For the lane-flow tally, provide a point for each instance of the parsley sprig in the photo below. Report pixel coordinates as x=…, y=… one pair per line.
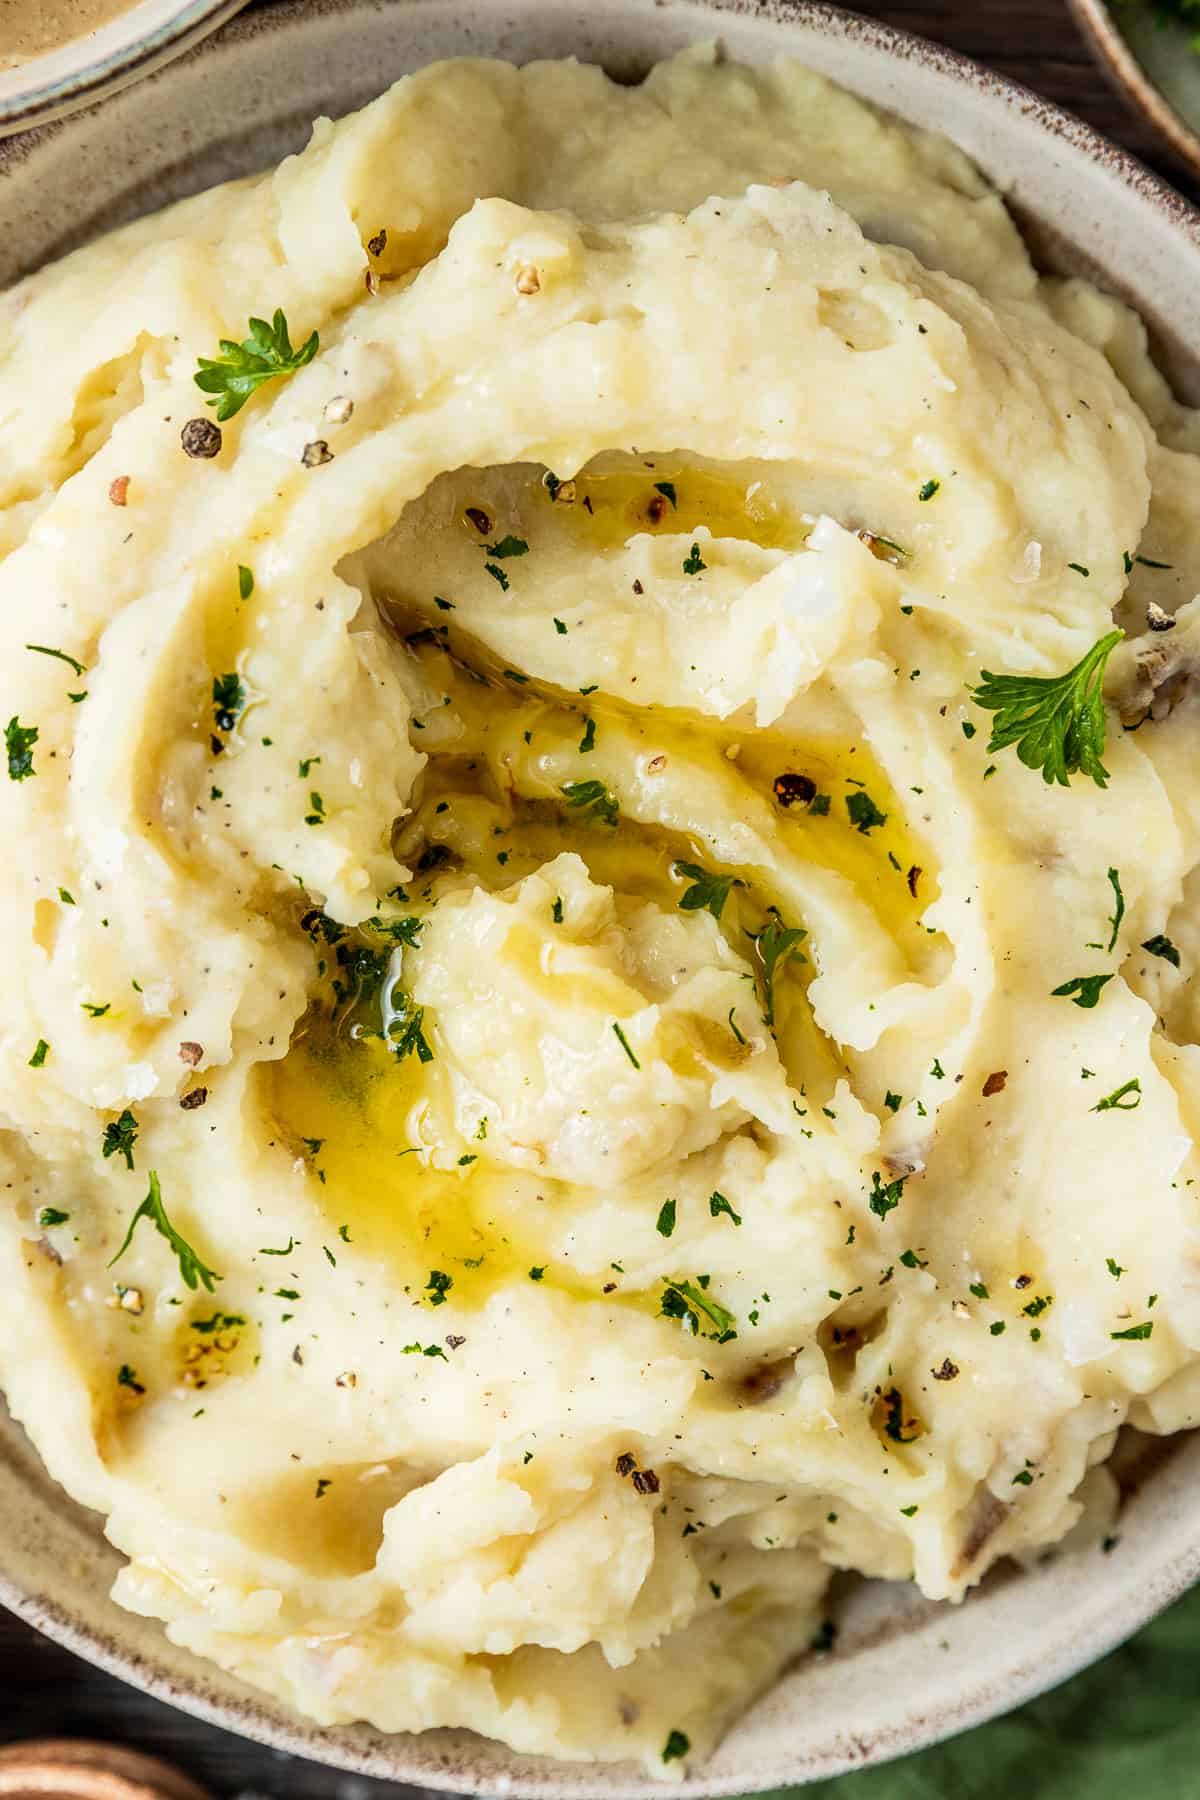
x=193, y=1270
x=242, y=368
x=775, y=943
x=1056, y=722
x=708, y=892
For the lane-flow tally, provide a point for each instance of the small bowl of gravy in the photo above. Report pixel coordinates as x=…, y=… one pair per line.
x=56, y=55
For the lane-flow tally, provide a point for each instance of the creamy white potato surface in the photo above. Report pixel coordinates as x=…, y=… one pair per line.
x=559, y=1085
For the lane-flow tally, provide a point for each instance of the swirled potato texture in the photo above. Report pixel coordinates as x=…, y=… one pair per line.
x=527, y=972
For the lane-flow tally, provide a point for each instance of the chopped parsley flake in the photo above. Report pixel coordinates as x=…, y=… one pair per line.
x=677, y=1745
x=624, y=1043
x=228, y=698
x=19, y=741
x=245, y=582
x=41, y=1051
x=693, y=563
x=46, y=650
x=718, y=1204
x=1082, y=990
x=560, y=628
x=96, y=1012
x=438, y=1286
x=497, y=574
x=120, y=1137
x=864, y=814
x=665, y=1223
x=1119, y=1100
x=1118, y=912
x=537, y=1274
x=591, y=799
x=885, y=1196
x=1162, y=946
x=556, y=911
x=928, y=489
x=1115, y=1269
x=316, y=813
x=50, y=1215
x=1135, y=1332
x=588, y=741
x=425, y=1350
x=667, y=489
x=508, y=546
x=686, y=1300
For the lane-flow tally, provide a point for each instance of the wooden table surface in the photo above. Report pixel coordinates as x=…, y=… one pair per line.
x=47, y=1692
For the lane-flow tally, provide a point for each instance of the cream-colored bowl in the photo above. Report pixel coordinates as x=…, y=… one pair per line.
x=904, y=1673
x=140, y=35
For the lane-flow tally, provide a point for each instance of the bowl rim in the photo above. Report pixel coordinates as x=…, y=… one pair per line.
x=134, y=53
x=259, y=1716
x=1128, y=77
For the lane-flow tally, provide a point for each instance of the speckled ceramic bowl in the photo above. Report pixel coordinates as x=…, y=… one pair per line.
x=141, y=37
x=1154, y=62
x=904, y=1672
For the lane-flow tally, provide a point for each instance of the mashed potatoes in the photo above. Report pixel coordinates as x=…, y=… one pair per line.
x=556, y=1089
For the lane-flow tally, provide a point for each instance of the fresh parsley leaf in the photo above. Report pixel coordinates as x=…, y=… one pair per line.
x=508, y=546
x=864, y=814
x=1118, y=1100
x=1162, y=946
x=693, y=563
x=1056, y=722
x=592, y=799
x=120, y=1137
x=1082, y=990
x=707, y=893
x=242, y=368
x=718, y=1204
x=45, y=650
x=41, y=1051
x=665, y=1223
x=19, y=741
x=667, y=490
x=191, y=1268
x=245, y=582
x=1135, y=1332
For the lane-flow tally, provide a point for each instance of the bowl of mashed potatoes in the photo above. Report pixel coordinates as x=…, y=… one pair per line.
x=599, y=1032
